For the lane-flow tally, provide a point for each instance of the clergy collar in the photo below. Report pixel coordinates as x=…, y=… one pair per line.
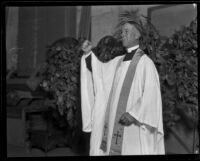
x=131, y=53
x=129, y=50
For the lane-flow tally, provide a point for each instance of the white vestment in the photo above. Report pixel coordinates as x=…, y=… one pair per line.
x=94, y=95
x=144, y=104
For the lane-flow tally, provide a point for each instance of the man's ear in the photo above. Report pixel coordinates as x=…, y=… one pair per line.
x=137, y=35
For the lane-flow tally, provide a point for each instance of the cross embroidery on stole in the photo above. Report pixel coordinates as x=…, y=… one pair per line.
x=117, y=135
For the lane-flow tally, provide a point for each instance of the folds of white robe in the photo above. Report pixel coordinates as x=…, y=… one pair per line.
x=87, y=96
x=144, y=104
x=103, y=74
x=95, y=90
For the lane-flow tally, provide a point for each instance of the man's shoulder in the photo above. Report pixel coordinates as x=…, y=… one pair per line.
x=145, y=56
x=146, y=60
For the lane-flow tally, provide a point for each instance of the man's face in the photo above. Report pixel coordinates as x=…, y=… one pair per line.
x=130, y=34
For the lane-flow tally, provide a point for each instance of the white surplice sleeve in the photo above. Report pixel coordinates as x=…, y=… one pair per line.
x=87, y=95
x=148, y=108
x=92, y=91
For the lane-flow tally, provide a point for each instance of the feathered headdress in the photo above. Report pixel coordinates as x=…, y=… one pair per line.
x=132, y=17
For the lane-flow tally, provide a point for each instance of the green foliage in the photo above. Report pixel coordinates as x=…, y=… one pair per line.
x=176, y=60
x=61, y=79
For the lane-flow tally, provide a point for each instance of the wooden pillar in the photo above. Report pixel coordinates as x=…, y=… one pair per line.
x=70, y=21
x=38, y=28
x=85, y=23
x=26, y=40
x=11, y=37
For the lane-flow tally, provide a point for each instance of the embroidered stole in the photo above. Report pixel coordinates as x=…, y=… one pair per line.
x=118, y=130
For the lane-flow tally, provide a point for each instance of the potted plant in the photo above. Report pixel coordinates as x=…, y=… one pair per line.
x=62, y=86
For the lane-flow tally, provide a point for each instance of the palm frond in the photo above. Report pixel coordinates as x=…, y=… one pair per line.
x=129, y=16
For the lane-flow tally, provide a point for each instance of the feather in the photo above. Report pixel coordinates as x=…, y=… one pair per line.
x=131, y=16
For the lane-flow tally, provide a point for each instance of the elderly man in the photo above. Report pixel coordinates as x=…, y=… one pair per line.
x=132, y=118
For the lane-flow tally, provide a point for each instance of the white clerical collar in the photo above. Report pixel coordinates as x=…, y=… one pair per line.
x=132, y=48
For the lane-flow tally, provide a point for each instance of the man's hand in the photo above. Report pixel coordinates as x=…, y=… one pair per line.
x=126, y=119
x=87, y=46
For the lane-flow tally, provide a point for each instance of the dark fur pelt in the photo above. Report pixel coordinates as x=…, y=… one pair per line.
x=108, y=48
